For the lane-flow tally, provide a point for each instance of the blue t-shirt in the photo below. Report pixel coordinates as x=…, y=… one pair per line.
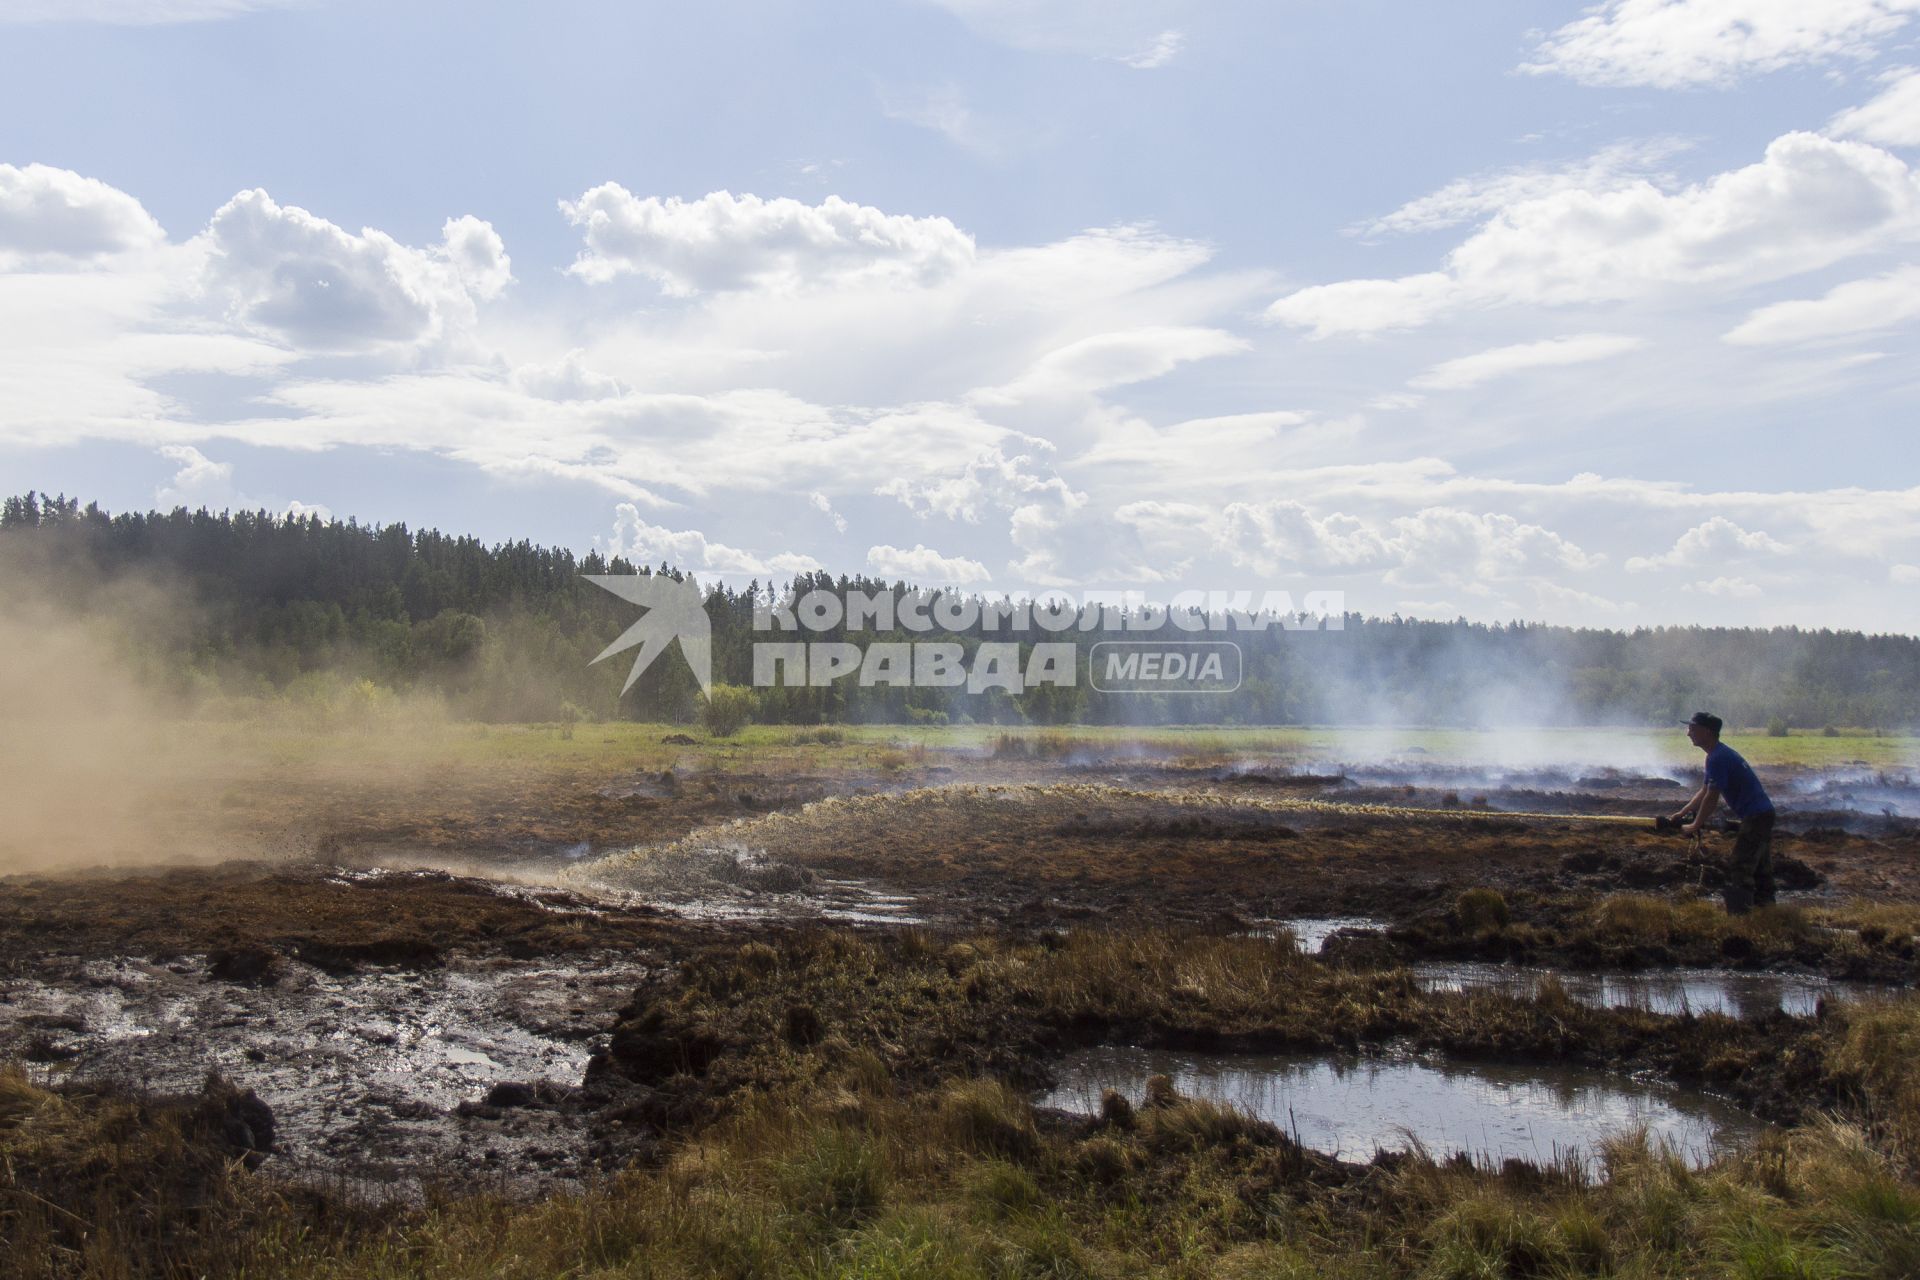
x=1730, y=775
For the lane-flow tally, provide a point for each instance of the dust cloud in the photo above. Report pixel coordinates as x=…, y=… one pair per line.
x=115, y=752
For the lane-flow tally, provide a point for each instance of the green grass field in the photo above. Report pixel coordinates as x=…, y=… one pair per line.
x=621, y=745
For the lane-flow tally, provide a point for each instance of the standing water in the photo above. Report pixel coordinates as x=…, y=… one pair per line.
x=1351, y=1107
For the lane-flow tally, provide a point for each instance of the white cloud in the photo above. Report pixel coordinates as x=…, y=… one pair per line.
x=723, y=241
x=1809, y=203
x=1732, y=588
x=1444, y=546
x=309, y=510
x=1500, y=362
x=199, y=481
x=1165, y=47
x=925, y=566
x=1367, y=306
x=1113, y=360
x=1135, y=32
x=1714, y=542
x=1892, y=119
x=1671, y=44
x=1197, y=443
x=282, y=271
x=1858, y=306
x=567, y=379
x=55, y=216
x=1907, y=575
x=133, y=13
x=824, y=505
x=1453, y=547
x=647, y=544
x=991, y=480
x=749, y=415
x=1281, y=537
x=1467, y=200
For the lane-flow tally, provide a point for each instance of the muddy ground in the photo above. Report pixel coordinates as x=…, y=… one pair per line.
x=416, y=972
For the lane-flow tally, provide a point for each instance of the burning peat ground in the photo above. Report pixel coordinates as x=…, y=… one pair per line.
x=442, y=989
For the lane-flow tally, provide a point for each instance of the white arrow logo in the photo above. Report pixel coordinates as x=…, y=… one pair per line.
x=674, y=612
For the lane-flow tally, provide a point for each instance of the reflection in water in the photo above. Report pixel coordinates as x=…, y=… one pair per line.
x=1311, y=932
x=1350, y=1106
x=1672, y=992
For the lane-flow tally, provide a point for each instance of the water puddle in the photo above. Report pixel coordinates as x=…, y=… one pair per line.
x=1350, y=1106
x=1673, y=992
x=1312, y=932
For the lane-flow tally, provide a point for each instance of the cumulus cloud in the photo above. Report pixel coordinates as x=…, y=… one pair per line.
x=1858, y=306
x=1467, y=200
x=991, y=480
x=1450, y=546
x=1673, y=44
x=1282, y=537
x=1809, y=202
x=1484, y=366
x=567, y=378
x=199, y=481
x=644, y=543
x=1892, y=119
x=1714, y=542
x=727, y=242
x=1446, y=546
x=282, y=271
x=54, y=216
x=925, y=566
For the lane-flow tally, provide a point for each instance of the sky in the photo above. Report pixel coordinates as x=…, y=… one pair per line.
x=1595, y=315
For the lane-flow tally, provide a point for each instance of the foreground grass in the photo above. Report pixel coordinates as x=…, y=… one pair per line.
x=861, y=1180
x=847, y=1106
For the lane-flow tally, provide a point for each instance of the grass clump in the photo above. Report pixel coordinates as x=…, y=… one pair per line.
x=1481, y=909
x=1489, y=1234
x=1877, y=1060
x=837, y=1175
x=986, y=1117
x=1036, y=746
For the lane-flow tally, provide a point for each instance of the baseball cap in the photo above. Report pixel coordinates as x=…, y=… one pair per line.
x=1706, y=720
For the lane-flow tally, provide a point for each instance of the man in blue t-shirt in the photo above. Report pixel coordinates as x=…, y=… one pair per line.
x=1731, y=778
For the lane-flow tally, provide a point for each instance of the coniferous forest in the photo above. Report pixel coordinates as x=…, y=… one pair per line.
x=245, y=607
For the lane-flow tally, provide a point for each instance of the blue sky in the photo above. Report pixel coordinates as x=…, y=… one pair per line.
x=1597, y=315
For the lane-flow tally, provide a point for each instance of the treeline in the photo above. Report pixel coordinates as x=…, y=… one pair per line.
x=271, y=607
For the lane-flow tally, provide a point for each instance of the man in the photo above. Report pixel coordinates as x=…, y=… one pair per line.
x=1729, y=777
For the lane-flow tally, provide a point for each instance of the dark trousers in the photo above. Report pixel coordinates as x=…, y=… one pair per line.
x=1750, y=871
